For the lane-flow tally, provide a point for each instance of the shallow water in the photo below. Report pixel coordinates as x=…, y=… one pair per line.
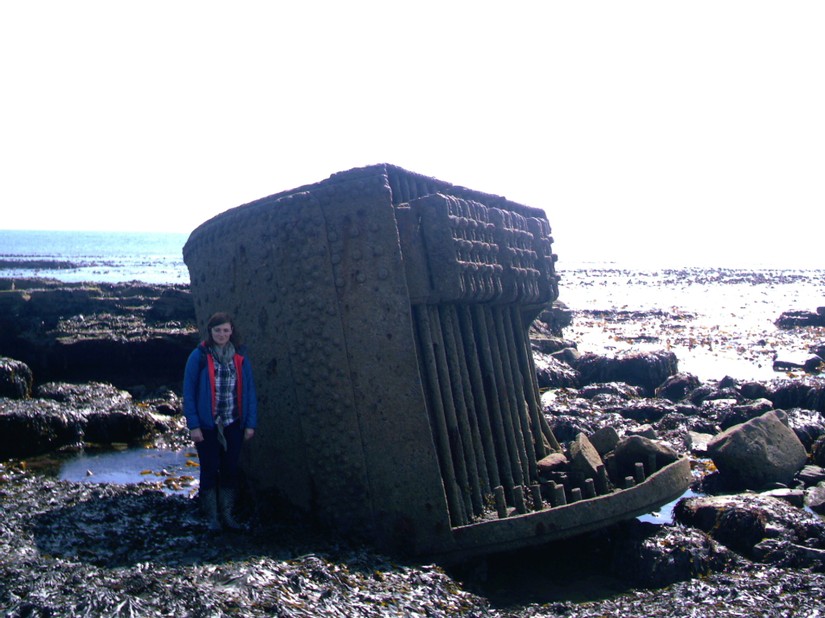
x=171, y=471
x=718, y=322
x=664, y=514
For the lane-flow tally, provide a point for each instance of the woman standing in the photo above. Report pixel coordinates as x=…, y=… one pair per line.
x=221, y=412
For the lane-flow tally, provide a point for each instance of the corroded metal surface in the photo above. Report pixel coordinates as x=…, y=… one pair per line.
x=387, y=315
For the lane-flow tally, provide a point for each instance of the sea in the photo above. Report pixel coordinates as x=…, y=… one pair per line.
x=105, y=257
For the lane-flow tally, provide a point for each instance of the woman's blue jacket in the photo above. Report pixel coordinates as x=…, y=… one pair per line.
x=199, y=390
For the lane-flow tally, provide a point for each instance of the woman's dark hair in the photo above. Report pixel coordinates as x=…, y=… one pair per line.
x=221, y=317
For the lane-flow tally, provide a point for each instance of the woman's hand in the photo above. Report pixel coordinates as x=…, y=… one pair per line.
x=248, y=433
x=196, y=435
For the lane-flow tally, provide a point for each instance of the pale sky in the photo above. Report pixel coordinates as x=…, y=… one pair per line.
x=646, y=130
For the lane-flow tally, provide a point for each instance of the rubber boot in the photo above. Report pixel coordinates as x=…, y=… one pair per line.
x=226, y=500
x=209, y=504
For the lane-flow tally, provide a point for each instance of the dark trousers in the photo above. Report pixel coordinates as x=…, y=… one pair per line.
x=216, y=464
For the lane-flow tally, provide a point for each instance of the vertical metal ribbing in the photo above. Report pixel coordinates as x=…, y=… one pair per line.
x=515, y=407
x=426, y=353
x=495, y=378
x=465, y=408
x=482, y=414
x=458, y=449
x=540, y=425
x=523, y=386
x=489, y=385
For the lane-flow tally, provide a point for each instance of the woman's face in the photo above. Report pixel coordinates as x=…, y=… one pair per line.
x=221, y=334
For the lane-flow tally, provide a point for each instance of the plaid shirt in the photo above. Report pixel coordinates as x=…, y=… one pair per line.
x=225, y=381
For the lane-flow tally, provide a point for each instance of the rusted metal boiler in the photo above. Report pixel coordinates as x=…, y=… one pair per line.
x=386, y=314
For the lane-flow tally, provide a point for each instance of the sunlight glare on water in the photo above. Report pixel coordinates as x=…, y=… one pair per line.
x=175, y=470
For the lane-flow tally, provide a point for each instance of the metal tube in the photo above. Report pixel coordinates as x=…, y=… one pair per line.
x=494, y=380
x=528, y=366
x=479, y=397
x=437, y=418
x=521, y=383
x=502, y=358
x=493, y=399
x=469, y=402
x=457, y=383
x=457, y=448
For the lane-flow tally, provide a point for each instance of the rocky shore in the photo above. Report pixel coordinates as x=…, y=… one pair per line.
x=99, y=364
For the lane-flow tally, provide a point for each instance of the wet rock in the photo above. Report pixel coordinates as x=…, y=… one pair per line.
x=621, y=463
x=550, y=464
x=69, y=414
x=677, y=438
x=15, y=379
x=811, y=475
x=806, y=393
x=785, y=364
x=558, y=317
x=757, y=453
x=815, y=498
x=795, y=497
x=678, y=386
x=808, y=425
x=754, y=390
x=783, y=553
x=794, y=319
x=715, y=391
x=741, y=413
x=605, y=439
x=818, y=451
x=34, y=426
x=585, y=460
x=127, y=333
x=645, y=369
x=569, y=355
x=85, y=396
x=645, y=431
x=553, y=373
x=607, y=392
x=813, y=364
x=131, y=425
x=699, y=442
x=742, y=521
x=547, y=345
x=644, y=410
x=655, y=556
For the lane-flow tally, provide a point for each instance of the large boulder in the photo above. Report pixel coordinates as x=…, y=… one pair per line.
x=758, y=453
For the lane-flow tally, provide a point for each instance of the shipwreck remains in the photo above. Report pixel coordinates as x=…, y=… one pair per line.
x=387, y=317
